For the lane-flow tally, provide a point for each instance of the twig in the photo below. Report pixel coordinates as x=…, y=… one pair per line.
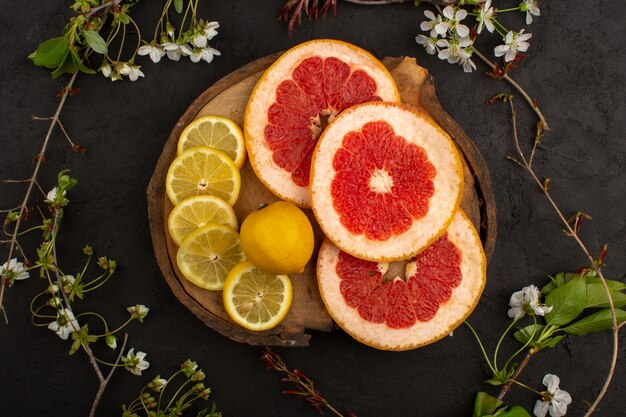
x=520, y=368
x=573, y=233
x=102, y=6
x=104, y=381
x=518, y=88
x=33, y=179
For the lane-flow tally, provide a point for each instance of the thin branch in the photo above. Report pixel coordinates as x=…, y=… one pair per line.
x=72, y=144
x=572, y=232
x=33, y=179
x=104, y=381
x=518, y=88
x=102, y=6
x=518, y=371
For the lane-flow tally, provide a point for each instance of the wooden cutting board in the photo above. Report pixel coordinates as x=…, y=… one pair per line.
x=228, y=97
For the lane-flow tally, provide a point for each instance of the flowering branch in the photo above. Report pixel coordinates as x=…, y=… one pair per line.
x=23, y=208
x=526, y=163
x=305, y=387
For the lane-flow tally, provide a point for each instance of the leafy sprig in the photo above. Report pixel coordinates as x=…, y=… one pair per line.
x=152, y=401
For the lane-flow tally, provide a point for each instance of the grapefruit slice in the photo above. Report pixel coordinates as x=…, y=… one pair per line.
x=293, y=101
x=385, y=181
x=428, y=298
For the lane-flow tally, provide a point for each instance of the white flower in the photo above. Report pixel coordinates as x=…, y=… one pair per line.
x=199, y=40
x=436, y=25
x=210, y=29
x=55, y=302
x=138, y=312
x=453, y=51
x=454, y=20
x=111, y=341
x=204, y=54
x=53, y=195
x=106, y=70
x=531, y=8
x=514, y=43
x=429, y=43
x=158, y=383
x=156, y=52
x=132, y=71
x=466, y=62
x=135, y=363
x=14, y=270
x=554, y=400
x=174, y=50
x=527, y=297
x=484, y=17
x=64, y=324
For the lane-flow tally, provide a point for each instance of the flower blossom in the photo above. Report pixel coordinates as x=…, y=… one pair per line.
x=429, y=43
x=138, y=312
x=525, y=301
x=175, y=50
x=202, y=54
x=132, y=71
x=513, y=43
x=13, y=270
x=65, y=324
x=554, y=400
x=135, y=363
x=436, y=25
x=484, y=18
x=531, y=8
x=454, y=20
x=454, y=50
x=210, y=29
x=53, y=195
x=155, y=52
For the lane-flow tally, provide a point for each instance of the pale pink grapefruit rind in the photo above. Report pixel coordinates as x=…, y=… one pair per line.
x=450, y=315
x=415, y=127
x=263, y=96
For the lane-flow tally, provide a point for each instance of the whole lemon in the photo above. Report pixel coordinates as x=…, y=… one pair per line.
x=278, y=238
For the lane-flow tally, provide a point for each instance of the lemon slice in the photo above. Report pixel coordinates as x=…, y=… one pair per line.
x=215, y=132
x=206, y=256
x=203, y=171
x=255, y=299
x=195, y=212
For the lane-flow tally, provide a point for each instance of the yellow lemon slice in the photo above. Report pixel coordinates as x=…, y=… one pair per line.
x=207, y=256
x=203, y=171
x=255, y=299
x=215, y=132
x=195, y=212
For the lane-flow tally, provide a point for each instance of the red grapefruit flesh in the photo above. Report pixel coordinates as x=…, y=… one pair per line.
x=385, y=181
x=438, y=290
x=288, y=109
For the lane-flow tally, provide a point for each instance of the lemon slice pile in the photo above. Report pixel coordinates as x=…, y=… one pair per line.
x=195, y=212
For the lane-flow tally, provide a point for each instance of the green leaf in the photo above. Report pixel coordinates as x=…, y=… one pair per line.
x=67, y=67
x=567, y=302
x=553, y=341
x=596, y=322
x=178, y=5
x=515, y=411
x=51, y=53
x=524, y=334
x=596, y=294
x=95, y=41
x=78, y=62
x=485, y=404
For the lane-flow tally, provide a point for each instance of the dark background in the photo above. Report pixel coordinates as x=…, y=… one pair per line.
x=576, y=70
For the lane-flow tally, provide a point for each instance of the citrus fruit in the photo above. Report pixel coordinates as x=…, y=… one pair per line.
x=203, y=171
x=255, y=299
x=400, y=307
x=195, y=212
x=278, y=238
x=206, y=256
x=294, y=100
x=215, y=132
x=385, y=181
